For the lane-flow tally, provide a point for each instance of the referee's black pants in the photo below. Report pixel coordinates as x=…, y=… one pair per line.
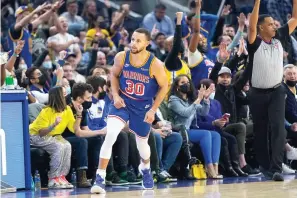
x=268, y=111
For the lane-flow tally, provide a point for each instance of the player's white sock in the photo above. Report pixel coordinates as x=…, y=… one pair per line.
x=144, y=166
x=102, y=173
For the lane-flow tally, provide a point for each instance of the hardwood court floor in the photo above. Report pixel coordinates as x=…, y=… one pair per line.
x=227, y=188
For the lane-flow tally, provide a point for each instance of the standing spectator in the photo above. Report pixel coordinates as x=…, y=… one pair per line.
x=23, y=27
x=159, y=20
x=267, y=96
x=65, y=41
x=279, y=10
x=76, y=23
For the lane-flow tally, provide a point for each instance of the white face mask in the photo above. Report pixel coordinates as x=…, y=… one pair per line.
x=212, y=95
x=23, y=66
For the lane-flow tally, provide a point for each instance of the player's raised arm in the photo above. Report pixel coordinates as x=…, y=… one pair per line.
x=196, y=28
x=252, y=31
x=292, y=23
x=114, y=79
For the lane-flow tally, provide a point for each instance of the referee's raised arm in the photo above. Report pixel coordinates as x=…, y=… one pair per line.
x=252, y=31
x=292, y=23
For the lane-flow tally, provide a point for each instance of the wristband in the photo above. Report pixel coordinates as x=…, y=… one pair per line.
x=152, y=110
x=15, y=55
x=51, y=127
x=197, y=16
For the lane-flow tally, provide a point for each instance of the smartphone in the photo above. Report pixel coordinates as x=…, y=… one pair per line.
x=226, y=116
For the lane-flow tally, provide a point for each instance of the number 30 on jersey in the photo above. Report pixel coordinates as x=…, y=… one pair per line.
x=134, y=88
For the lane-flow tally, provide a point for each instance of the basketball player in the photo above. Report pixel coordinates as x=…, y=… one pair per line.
x=136, y=78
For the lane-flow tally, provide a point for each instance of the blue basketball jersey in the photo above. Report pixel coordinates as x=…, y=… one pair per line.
x=137, y=82
x=201, y=70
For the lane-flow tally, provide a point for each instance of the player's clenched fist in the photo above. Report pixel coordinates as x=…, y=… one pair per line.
x=149, y=117
x=119, y=102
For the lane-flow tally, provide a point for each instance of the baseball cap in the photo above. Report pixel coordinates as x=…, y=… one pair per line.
x=22, y=9
x=225, y=70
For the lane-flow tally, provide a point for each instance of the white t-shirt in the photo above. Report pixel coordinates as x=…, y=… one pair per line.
x=62, y=39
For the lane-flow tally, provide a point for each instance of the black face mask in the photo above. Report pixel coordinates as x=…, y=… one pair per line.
x=102, y=95
x=102, y=25
x=185, y=88
x=42, y=80
x=202, y=49
x=68, y=99
x=87, y=104
x=291, y=83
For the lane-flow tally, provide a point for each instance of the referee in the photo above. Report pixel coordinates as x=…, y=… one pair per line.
x=267, y=96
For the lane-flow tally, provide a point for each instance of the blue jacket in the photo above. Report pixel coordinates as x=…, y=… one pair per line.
x=215, y=112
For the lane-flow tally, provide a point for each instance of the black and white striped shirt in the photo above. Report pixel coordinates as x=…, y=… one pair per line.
x=265, y=66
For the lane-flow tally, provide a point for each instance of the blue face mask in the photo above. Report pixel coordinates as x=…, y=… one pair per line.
x=47, y=64
x=68, y=90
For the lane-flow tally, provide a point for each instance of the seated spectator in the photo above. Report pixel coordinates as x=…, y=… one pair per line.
x=290, y=80
x=159, y=19
x=227, y=94
x=214, y=121
x=38, y=83
x=184, y=105
x=90, y=143
x=168, y=144
x=96, y=111
x=100, y=71
x=77, y=77
x=45, y=133
x=68, y=71
x=101, y=59
x=76, y=23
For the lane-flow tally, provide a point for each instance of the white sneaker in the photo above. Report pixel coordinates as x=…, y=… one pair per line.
x=64, y=181
x=292, y=155
x=170, y=178
x=287, y=169
x=55, y=184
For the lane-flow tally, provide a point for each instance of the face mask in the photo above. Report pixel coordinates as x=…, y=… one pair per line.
x=68, y=99
x=212, y=95
x=102, y=25
x=42, y=80
x=68, y=91
x=23, y=66
x=104, y=77
x=102, y=95
x=87, y=104
x=47, y=64
x=185, y=88
x=291, y=83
